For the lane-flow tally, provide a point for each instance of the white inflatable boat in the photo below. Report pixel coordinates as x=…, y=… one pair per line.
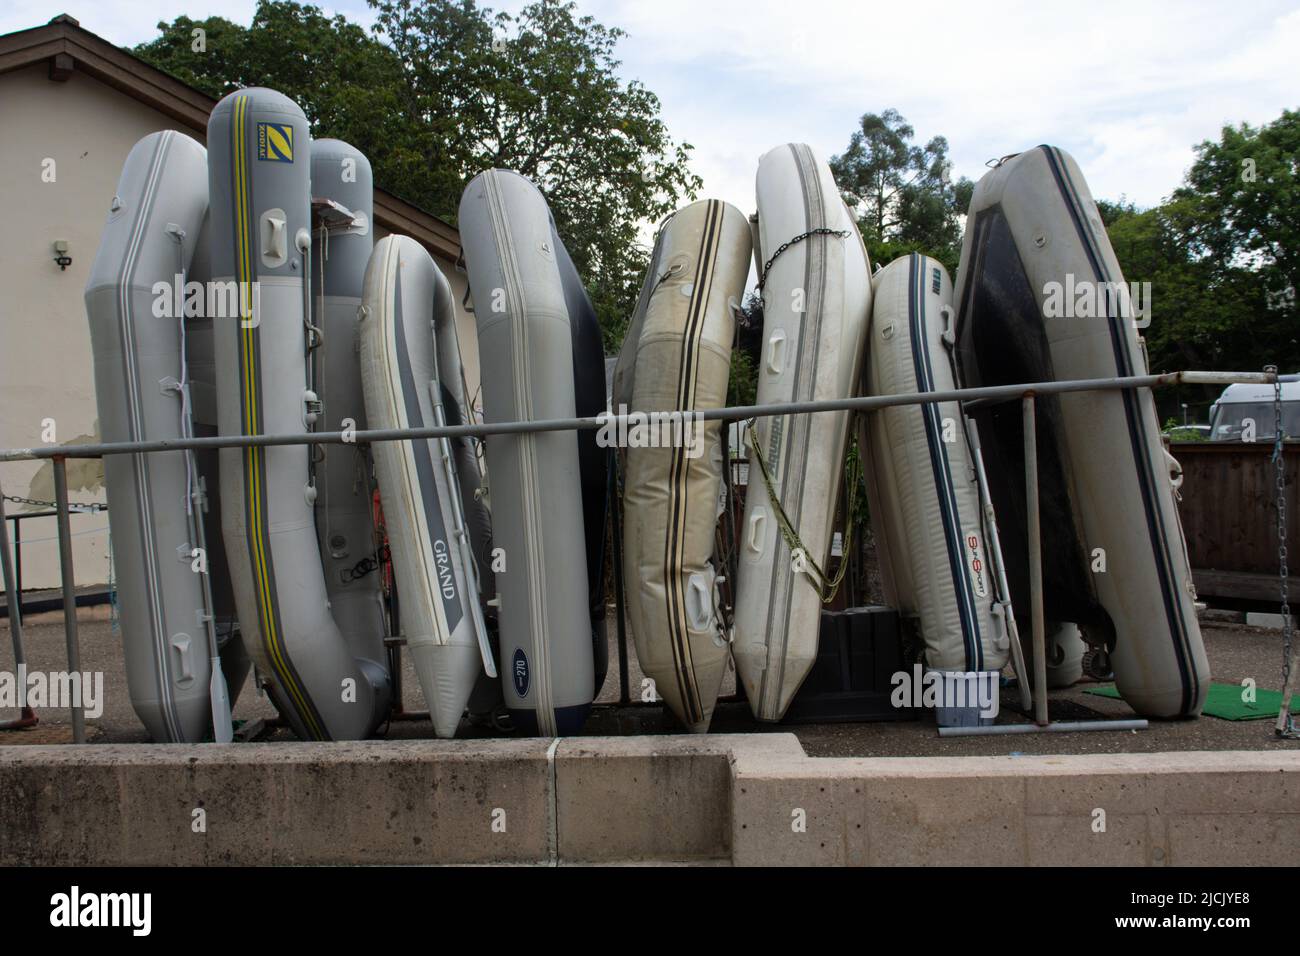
x=142, y=389
x=677, y=358
x=1114, y=561
x=816, y=286
x=433, y=558
x=923, y=490
x=531, y=370
x=260, y=239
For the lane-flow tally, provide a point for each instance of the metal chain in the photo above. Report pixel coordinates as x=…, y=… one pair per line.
x=822, y=231
x=93, y=507
x=1279, y=478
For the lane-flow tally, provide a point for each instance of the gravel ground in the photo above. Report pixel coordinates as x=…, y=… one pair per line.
x=1235, y=651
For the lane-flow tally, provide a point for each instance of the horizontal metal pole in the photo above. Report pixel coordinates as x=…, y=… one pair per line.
x=736, y=413
x=1231, y=378
x=1059, y=727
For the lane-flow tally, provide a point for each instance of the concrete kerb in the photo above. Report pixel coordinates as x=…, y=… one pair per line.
x=746, y=799
x=1186, y=808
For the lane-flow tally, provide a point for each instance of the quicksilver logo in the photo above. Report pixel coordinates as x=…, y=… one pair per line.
x=75, y=909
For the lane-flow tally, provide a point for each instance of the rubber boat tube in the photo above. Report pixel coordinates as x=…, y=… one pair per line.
x=677, y=358
x=154, y=503
x=432, y=554
x=342, y=240
x=1041, y=297
x=260, y=213
x=589, y=400
x=817, y=301
x=923, y=494
x=527, y=356
x=201, y=374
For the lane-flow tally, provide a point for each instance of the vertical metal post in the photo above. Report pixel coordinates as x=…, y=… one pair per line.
x=1283, y=725
x=18, y=556
x=14, y=605
x=1035, y=561
x=616, y=519
x=69, y=591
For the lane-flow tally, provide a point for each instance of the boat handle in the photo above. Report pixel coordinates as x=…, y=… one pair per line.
x=181, y=642
x=275, y=237
x=776, y=352
x=699, y=614
x=756, y=522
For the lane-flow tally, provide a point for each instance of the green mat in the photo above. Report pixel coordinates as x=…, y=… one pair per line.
x=1224, y=701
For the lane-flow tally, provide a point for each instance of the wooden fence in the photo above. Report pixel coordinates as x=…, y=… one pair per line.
x=1229, y=513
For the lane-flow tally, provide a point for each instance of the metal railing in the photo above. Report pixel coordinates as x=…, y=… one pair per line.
x=1027, y=393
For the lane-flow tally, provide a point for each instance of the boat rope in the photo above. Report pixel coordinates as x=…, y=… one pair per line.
x=1286, y=721
x=825, y=585
x=365, y=566
x=821, y=231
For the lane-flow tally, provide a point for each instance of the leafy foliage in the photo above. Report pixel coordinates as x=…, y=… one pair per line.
x=902, y=193
x=1221, y=258
x=445, y=90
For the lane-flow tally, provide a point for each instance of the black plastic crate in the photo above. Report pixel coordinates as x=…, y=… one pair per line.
x=859, y=650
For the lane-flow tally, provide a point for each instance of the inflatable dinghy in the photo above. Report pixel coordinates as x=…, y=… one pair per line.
x=923, y=492
x=1114, y=562
x=343, y=202
x=817, y=301
x=260, y=240
x=523, y=305
x=143, y=394
x=677, y=358
x=433, y=558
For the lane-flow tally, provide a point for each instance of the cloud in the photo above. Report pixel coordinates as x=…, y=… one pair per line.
x=1127, y=87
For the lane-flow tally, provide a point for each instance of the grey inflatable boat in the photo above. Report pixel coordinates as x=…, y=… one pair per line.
x=1114, y=560
x=535, y=331
x=433, y=557
x=142, y=389
x=343, y=203
x=260, y=218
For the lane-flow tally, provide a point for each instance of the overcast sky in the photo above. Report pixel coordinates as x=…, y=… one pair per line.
x=1127, y=87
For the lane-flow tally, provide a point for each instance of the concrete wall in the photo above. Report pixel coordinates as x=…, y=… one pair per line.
x=87, y=128
x=744, y=799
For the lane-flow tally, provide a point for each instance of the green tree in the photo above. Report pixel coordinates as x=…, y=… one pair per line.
x=1241, y=203
x=902, y=193
x=444, y=90
x=1220, y=254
